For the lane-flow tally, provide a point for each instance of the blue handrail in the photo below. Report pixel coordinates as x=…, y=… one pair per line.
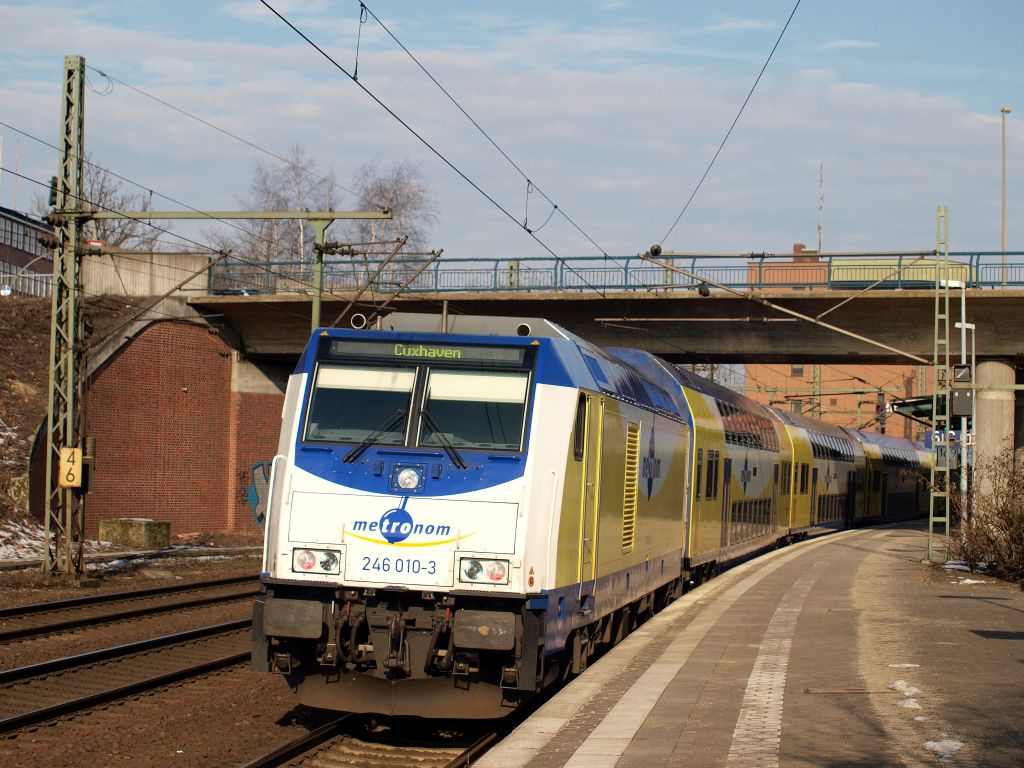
x=759, y=272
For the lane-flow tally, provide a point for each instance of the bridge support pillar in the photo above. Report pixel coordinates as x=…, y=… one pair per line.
x=994, y=411
x=1018, y=422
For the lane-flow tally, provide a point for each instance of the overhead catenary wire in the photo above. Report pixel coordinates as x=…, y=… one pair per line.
x=531, y=185
x=205, y=248
x=736, y=119
x=429, y=146
x=208, y=124
x=127, y=180
x=227, y=222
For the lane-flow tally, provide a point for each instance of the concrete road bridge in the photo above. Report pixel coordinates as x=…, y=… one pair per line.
x=736, y=308
x=720, y=310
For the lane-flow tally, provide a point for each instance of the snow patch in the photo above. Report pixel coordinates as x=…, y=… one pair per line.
x=908, y=704
x=945, y=748
x=904, y=666
x=26, y=540
x=905, y=688
x=921, y=718
x=962, y=580
x=960, y=565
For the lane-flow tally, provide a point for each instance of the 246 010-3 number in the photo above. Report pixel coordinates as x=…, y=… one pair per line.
x=399, y=565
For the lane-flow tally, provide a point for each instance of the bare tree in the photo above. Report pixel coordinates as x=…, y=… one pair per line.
x=295, y=185
x=269, y=251
x=401, y=188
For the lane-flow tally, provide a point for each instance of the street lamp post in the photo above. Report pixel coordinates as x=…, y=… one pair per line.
x=1004, y=111
x=8, y=285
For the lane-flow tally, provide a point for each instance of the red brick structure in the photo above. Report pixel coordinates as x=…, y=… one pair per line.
x=179, y=420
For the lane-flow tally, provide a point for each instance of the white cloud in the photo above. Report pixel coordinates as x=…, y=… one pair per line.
x=618, y=149
x=847, y=45
x=729, y=25
x=256, y=12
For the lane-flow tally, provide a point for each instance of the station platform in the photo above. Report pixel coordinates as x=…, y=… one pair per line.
x=845, y=650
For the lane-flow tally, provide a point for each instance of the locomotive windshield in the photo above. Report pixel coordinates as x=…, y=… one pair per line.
x=448, y=396
x=350, y=403
x=475, y=409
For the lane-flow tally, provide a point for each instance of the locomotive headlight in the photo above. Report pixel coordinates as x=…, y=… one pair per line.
x=408, y=479
x=477, y=570
x=316, y=561
x=328, y=562
x=303, y=560
x=497, y=571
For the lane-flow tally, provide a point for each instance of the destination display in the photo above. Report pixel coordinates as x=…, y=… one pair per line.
x=416, y=351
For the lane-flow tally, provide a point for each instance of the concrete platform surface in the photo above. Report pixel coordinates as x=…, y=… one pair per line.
x=841, y=651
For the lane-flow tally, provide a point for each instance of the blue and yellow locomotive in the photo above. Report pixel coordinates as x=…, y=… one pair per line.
x=457, y=520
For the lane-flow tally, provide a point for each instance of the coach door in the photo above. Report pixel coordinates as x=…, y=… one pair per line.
x=774, y=521
x=851, y=497
x=726, y=500
x=814, y=496
x=591, y=496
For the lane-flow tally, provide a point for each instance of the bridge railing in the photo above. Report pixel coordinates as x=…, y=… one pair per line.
x=762, y=272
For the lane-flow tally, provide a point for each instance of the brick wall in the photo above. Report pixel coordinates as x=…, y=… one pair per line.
x=257, y=423
x=173, y=442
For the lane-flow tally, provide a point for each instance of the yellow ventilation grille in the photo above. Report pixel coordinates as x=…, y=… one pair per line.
x=630, y=487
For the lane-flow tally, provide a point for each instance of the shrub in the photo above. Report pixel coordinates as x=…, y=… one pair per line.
x=991, y=531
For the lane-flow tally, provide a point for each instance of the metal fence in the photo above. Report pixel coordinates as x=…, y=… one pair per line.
x=13, y=280
x=762, y=272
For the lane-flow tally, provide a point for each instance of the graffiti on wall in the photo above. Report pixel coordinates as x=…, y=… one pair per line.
x=257, y=494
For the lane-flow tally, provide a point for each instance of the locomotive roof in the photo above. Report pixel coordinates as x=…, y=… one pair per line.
x=713, y=389
x=476, y=325
x=886, y=441
x=567, y=359
x=806, y=422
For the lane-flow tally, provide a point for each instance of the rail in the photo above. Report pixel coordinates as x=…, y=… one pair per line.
x=750, y=271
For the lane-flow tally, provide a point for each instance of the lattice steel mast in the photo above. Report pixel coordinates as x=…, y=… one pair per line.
x=64, y=439
x=938, y=503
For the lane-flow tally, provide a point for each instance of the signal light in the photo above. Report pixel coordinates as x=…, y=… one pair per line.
x=316, y=561
x=479, y=571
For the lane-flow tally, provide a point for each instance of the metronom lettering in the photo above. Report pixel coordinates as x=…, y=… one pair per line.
x=401, y=350
x=416, y=528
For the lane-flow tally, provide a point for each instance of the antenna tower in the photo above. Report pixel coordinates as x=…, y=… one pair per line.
x=821, y=198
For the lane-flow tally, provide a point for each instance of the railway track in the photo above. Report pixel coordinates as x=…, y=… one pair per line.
x=62, y=687
x=356, y=742
x=27, y=621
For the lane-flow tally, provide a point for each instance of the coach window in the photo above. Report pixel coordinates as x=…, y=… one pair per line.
x=709, y=490
x=700, y=468
x=579, y=433
x=350, y=403
x=804, y=472
x=718, y=463
x=483, y=410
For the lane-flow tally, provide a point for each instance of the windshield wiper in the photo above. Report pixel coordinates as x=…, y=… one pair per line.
x=445, y=443
x=374, y=436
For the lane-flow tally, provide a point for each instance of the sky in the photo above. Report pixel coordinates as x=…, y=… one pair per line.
x=613, y=110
